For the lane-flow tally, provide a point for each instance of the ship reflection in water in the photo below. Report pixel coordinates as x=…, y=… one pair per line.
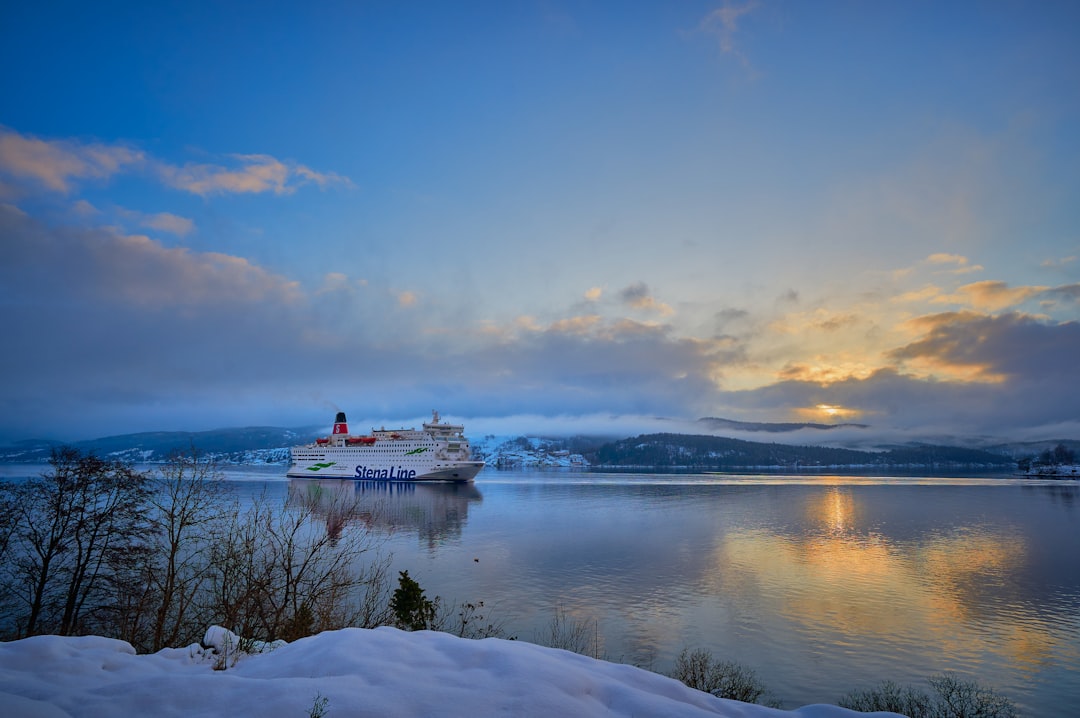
x=434, y=511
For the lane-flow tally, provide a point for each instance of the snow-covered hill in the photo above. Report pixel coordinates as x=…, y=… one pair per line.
x=384, y=673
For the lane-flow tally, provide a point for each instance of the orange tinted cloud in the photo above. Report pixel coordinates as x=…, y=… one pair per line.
x=961, y=264
x=256, y=174
x=57, y=164
x=992, y=295
x=969, y=346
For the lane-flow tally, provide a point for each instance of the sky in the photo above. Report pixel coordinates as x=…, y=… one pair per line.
x=540, y=215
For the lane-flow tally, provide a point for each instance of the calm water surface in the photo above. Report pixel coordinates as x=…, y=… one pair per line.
x=821, y=584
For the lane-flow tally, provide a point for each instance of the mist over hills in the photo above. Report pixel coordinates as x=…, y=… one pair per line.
x=251, y=444
x=712, y=450
x=713, y=423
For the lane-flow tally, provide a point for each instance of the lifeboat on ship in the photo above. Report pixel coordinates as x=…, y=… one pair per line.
x=361, y=440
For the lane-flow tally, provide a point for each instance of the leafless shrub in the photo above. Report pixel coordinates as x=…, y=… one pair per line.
x=570, y=633
x=889, y=696
x=470, y=620
x=724, y=679
x=952, y=697
x=279, y=573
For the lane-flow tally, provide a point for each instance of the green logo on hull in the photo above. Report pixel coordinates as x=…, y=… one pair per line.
x=421, y=450
x=316, y=467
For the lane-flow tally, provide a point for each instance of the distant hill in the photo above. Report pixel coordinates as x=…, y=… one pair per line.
x=714, y=452
x=252, y=444
x=712, y=423
x=263, y=444
x=1027, y=449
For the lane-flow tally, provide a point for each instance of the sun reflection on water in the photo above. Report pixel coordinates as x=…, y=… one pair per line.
x=847, y=580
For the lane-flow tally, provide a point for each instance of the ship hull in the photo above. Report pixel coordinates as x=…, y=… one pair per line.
x=355, y=465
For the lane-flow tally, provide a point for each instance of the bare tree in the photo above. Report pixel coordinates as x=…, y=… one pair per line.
x=283, y=572
x=94, y=545
x=235, y=570
x=159, y=586
x=70, y=523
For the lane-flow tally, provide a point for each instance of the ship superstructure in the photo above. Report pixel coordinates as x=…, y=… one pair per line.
x=437, y=452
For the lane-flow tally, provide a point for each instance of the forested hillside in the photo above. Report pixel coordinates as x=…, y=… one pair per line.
x=714, y=452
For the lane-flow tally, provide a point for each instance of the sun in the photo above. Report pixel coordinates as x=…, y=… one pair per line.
x=830, y=410
x=826, y=412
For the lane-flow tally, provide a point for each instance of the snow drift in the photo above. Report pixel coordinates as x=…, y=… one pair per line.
x=359, y=672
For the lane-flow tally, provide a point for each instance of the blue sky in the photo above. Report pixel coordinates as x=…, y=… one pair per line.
x=535, y=215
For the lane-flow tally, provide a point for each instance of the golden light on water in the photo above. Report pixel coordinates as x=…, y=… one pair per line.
x=834, y=511
x=856, y=581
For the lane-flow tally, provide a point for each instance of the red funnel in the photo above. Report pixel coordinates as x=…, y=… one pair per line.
x=340, y=427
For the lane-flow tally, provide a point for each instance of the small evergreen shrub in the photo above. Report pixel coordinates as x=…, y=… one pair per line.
x=412, y=610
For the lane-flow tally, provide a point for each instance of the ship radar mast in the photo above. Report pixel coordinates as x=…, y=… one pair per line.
x=434, y=416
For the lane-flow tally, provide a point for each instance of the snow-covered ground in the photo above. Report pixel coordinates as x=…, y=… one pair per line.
x=525, y=452
x=353, y=672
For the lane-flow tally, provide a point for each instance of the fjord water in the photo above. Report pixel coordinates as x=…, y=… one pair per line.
x=821, y=584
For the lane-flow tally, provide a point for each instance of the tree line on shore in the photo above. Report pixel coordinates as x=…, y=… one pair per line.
x=95, y=547
x=716, y=452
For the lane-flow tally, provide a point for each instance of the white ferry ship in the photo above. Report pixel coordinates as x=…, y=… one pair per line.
x=438, y=452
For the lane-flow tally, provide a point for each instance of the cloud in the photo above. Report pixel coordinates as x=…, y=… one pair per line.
x=82, y=208
x=593, y=294
x=723, y=22
x=993, y=295
x=928, y=293
x=105, y=265
x=962, y=265
x=825, y=373
x=903, y=407
x=818, y=321
x=163, y=335
x=575, y=325
x=57, y=164
x=161, y=221
x=141, y=335
x=996, y=348
x=731, y=314
x=942, y=258
x=322, y=179
x=960, y=374
x=638, y=296
x=1068, y=293
x=255, y=174
x=575, y=366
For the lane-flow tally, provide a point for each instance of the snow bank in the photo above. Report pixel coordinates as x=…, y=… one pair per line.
x=382, y=672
